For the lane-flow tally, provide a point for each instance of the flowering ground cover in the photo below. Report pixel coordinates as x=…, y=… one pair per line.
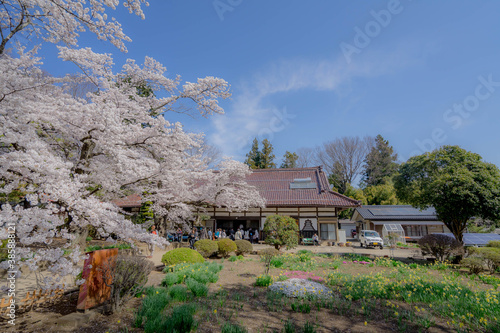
x=367, y=295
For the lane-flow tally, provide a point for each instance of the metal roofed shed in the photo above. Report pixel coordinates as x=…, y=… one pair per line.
x=396, y=231
x=476, y=239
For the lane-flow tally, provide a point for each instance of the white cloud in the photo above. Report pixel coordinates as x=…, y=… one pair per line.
x=253, y=115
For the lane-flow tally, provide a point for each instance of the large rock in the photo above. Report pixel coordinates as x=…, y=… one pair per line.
x=301, y=288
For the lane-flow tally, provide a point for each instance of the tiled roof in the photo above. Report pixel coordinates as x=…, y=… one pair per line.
x=396, y=212
x=274, y=186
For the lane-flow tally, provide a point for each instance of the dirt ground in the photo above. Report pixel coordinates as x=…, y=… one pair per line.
x=244, y=303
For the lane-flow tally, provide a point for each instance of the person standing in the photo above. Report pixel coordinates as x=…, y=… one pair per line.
x=192, y=238
x=238, y=235
x=217, y=234
x=151, y=245
x=179, y=235
x=210, y=234
x=231, y=234
x=256, y=236
x=223, y=234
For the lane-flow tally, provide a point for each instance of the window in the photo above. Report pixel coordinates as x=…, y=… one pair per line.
x=415, y=230
x=328, y=231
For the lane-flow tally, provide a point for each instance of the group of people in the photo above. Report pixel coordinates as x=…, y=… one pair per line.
x=251, y=235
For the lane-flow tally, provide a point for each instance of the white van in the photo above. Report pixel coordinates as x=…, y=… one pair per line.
x=370, y=238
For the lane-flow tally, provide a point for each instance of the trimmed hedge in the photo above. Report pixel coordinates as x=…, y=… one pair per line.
x=243, y=247
x=226, y=246
x=206, y=247
x=180, y=255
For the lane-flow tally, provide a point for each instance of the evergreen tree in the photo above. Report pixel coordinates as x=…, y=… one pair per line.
x=380, y=163
x=289, y=160
x=253, y=157
x=267, y=156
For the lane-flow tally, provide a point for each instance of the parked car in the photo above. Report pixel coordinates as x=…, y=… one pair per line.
x=370, y=238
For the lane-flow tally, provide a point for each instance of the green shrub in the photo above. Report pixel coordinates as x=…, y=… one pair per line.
x=442, y=247
x=152, y=305
x=264, y=281
x=226, y=246
x=281, y=231
x=202, y=272
x=243, y=247
x=181, y=255
x=490, y=256
x=214, y=267
x=493, y=243
x=178, y=293
x=201, y=276
x=277, y=262
x=474, y=262
x=206, y=247
x=181, y=319
x=198, y=289
x=88, y=239
x=232, y=328
x=170, y=279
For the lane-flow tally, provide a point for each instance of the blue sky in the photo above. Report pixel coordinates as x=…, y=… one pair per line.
x=423, y=75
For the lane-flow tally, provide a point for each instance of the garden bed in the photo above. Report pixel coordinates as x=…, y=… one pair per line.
x=381, y=295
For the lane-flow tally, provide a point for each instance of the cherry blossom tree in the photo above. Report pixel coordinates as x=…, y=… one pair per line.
x=63, y=158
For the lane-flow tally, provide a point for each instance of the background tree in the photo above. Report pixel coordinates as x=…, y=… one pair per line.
x=281, y=231
x=267, y=156
x=253, y=156
x=382, y=194
x=456, y=182
x=261, y=159
x=305, y=157
x=344, y=158
x=289, y=160
x=354, y=193
x=380, y=163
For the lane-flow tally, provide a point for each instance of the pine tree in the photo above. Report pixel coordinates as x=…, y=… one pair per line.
x=380, y=163
x=253, y=157
x=267, y=156
x=289, y=160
